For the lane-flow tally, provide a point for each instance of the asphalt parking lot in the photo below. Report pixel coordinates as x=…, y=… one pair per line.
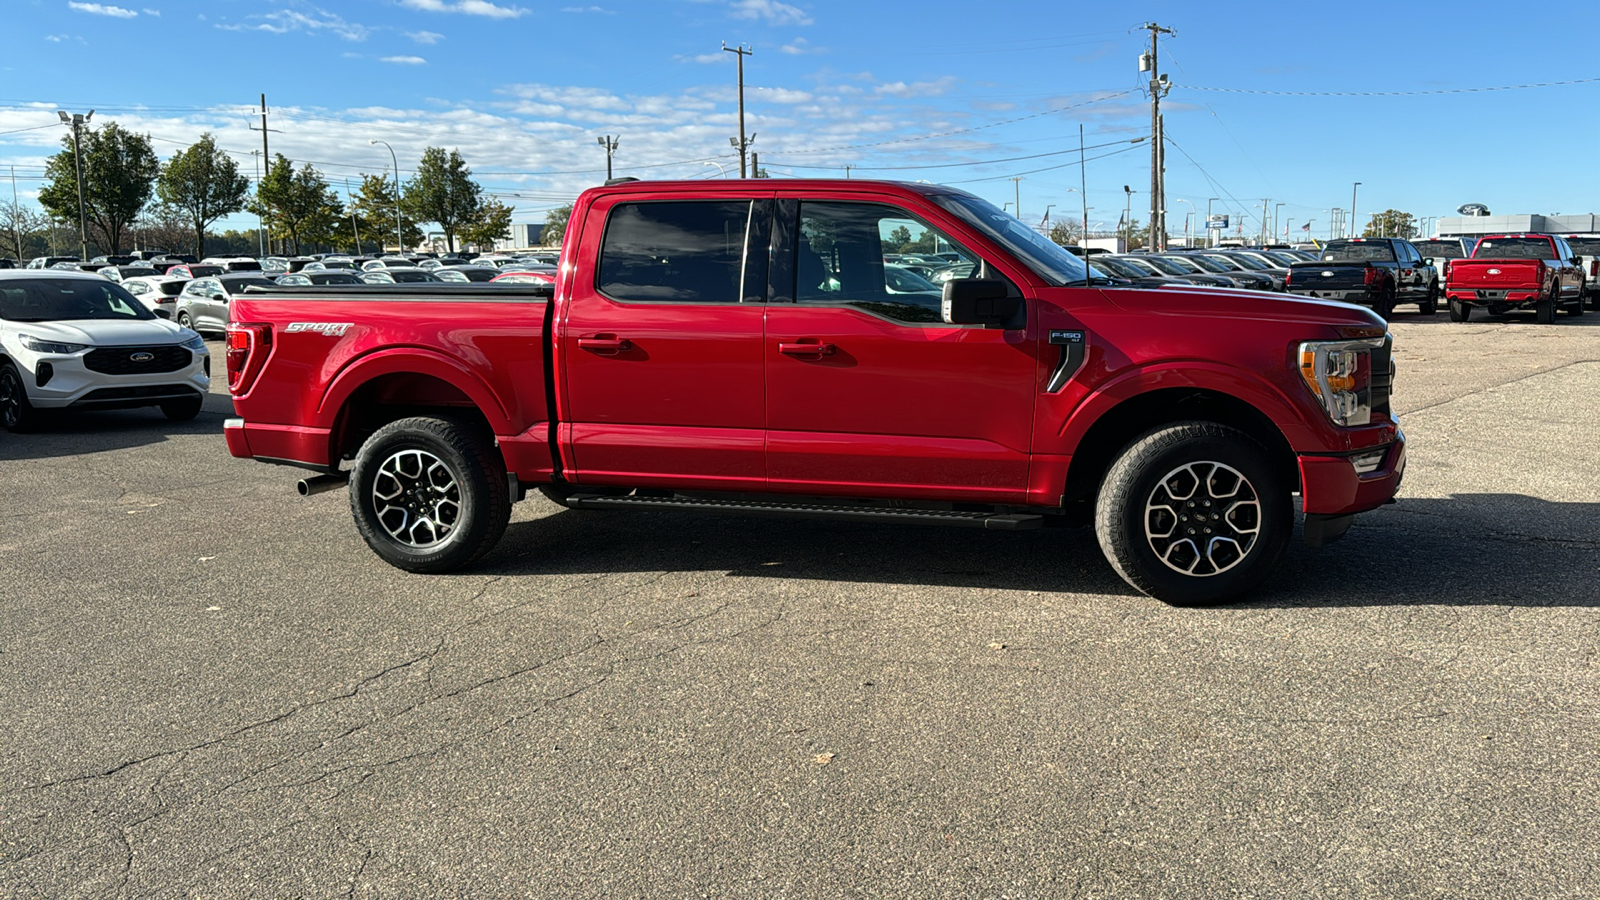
x=210, y=687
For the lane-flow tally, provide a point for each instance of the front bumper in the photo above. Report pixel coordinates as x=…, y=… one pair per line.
x=1333, y=489
x=70, y=383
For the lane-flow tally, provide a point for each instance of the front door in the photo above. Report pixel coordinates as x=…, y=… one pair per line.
x=661, y=352
x=868, y=392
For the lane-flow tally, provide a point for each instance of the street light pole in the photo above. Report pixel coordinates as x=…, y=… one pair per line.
x=1209, y=230
x=399, y=238
x=1277, y=213
x=1188, y=242
x=76, y=121
x=744, y=143
x=1353, y=208
x=610, y=143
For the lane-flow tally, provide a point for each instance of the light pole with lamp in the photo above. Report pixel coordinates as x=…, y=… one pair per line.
x=1353, y=190
x=1209, y=230
x=721, y=172
x=1277, y=212
x=76, y=121
x=399, y=238
x=1127, y=218
x=1188, y=241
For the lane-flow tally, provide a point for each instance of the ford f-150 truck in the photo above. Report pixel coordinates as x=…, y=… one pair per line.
x=1517, y=271
x=1378, y=272
x=1586, y=249
x=736, y=346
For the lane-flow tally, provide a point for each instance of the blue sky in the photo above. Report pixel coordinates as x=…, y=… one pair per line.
x=947, y=92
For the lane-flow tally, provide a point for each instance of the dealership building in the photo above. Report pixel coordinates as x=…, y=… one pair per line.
x=1480, y=226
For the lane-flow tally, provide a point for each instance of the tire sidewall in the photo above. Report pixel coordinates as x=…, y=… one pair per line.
x=1152, y=464
x=462, y=545
x=18, y=415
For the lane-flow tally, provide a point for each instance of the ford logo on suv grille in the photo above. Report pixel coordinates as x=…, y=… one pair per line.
x=141, y=357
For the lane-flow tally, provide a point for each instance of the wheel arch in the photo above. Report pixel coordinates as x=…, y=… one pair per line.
x=385, y=387
x=1103, y=441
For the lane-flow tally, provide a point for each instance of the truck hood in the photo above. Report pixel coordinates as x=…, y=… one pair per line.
x=1235, y=304
x=106, y=332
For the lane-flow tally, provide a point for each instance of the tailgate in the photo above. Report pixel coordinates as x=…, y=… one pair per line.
x=1325, y=276
x=1490, y=274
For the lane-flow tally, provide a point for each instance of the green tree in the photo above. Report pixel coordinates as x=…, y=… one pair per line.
x=899, y=236
x=492, y=224
x=1391, y=223
x=443, y=191
x=555, y=226
x=205, y=184
x=1065, y=232
x=119, y=173
x=299, y=205
x=374, y=206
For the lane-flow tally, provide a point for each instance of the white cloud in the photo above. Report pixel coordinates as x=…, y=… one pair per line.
x=156, y=13
x=770, y=11
x=425, y=37
x=316, y=21
x=100, y=9
x=587, y=9
x=468, y=7
x=405, y=60
x=798, y=47
x=917, y=88
x=706, y=58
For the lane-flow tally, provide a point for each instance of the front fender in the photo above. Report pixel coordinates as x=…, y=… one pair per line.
x=1296, y=424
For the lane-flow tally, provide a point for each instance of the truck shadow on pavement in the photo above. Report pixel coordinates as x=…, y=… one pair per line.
x=64, y=433
x=1472, y=549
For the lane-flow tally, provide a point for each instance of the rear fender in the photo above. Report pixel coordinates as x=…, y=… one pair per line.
x=412, y=360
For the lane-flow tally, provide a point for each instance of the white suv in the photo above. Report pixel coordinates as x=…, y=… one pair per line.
x=80, y=341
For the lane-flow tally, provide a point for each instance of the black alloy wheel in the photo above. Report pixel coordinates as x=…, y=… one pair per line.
x=16, y=413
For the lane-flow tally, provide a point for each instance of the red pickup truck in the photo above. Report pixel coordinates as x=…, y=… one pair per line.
x=738, y=346
x=1517, y=271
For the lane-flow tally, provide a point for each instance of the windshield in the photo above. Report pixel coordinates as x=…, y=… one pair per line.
x=1515, y=248
x=333, y=278
x=1164, y=266
x=1249, y=262
x=205, y=271
x=1282, y=258
x=67, y=299
x=238, y=285
x=1140, y=265
x=1206, y=263
x=1342, y=251
x=1222, y=263
x=1046, y=258
x=1441, y=249
x=1182, y=264
x=1116, y=266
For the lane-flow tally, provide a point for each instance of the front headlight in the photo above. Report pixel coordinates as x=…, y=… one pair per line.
x=194, y=342
x=39, y=346
x=1339, y=375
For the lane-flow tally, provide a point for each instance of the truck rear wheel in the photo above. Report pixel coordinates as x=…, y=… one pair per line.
x=1545, y=308
x=1193, y=513
x=429, y=494
x=1459, y=311
x=1430, y=304
x=1383, y=304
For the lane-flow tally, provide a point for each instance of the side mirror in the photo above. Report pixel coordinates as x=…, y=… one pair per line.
x=979, y=301
x=220, y=297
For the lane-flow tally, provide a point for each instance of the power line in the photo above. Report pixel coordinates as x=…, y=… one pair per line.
x=981, y=162
x=1473, y=90
x=925, y=137
x=1045, y=169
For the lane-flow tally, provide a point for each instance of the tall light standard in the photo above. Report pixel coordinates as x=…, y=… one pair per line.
x=1046, y=217
x=1277, y=212
x=721, y=172
x=1187, y=240
x=1209, y=230
x=610, y=143
x=76, y=121
x=1127, y=218
x=399, y=238
x=1353, y=208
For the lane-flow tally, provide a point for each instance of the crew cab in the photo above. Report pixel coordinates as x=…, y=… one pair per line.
x=1586, y=249
x=1517, y=271
x=1377, y=272
x=736, y=346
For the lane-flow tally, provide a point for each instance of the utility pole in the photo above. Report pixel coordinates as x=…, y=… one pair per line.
x=76, y=121
x=266, y=158
x=1210, y=232
x=1277, y=211
x=15, y=209
x=1264, y=202
x=1159, y=85
x=1083, y=193
x=1017, y=183
x=610, y=143
x=847, y=168
x=350, y=198
x=742, y=142
x=261, y=222
x=1353, y=190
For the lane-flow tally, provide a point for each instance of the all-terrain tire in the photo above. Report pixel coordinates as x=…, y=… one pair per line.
x=1194, y=513
x=429, y=494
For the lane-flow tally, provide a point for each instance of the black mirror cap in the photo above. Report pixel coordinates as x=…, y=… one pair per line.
x=980, y=301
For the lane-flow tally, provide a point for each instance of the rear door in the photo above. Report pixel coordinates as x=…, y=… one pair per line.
x=869, y=393
x=660, y=345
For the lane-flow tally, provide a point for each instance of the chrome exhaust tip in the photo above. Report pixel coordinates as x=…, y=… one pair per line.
x=317, y=484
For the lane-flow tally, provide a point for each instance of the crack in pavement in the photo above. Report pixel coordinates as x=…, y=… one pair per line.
x=1499, y=384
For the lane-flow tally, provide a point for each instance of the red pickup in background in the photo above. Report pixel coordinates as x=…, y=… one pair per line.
x=1516, y=271
x=742, y=346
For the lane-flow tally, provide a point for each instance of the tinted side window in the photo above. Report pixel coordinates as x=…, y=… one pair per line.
x=839, y=260
x=685, y=252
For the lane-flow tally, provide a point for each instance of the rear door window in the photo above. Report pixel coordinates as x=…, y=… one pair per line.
x=684, y=252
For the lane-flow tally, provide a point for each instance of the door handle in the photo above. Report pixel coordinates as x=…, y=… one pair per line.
x=810, y=349
x=605, y=344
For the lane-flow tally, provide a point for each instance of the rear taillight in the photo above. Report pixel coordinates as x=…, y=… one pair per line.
x=248, y=346
x=1370, y=276
x=1594, y=268
x=1288, y=279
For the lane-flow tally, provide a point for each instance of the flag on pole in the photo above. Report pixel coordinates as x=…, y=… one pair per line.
x=1306, y=227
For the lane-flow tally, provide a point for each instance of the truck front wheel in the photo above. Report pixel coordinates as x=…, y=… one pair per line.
x=1193, y=513
x=429, y=494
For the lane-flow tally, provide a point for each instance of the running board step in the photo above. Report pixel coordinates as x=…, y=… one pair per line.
x=987, y=520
